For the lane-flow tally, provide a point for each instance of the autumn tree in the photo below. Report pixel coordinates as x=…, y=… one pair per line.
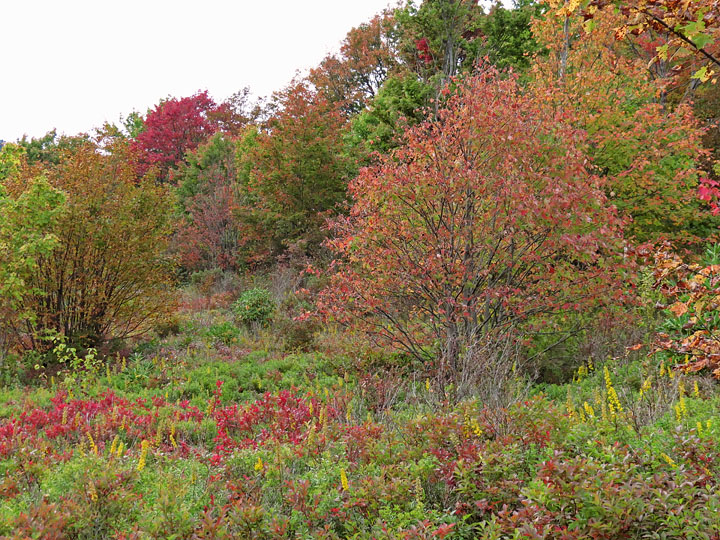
x=484, y=220
x=440, y=38
x=299, y=171
x=690, y=30
x=28, y=214
x=108, y=276
x=651, y=155
x=432, y=42
x=210, y=234
x=172, y=128
x=367, y=57
x=47, y=149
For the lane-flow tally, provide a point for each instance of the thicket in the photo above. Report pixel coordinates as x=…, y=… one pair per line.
x=103, y=272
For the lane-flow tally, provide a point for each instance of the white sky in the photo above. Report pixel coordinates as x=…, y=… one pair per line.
x=74, y=64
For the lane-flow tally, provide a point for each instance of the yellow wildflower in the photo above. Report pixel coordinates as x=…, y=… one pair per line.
x=683, y=407
x=259, y=465
x=646, y=385
x=113, y=446
x=144, y=445
x=93, y=446
x=419, y=491
x=344, y=480
x=476, y=428
x=612, y=397
x=92, y=492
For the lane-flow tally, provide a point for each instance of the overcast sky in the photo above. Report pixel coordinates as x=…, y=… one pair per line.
x=74, y=64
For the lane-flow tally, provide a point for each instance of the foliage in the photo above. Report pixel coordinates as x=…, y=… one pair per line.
x=439, y=38
x=172, y=128
x=254, y=306
x=305, y=463
x=48, y=148
x=108, y=275
x=367, y=57
x=690, y=297
x=692, y=29
x=11, y=158
x=486, y=217
x=210, y=235
x=399, y=103
x=133, y=125
x=508, y=36
x=482, y=247
x=27, y=222
x=651, y=156
x=299, y=170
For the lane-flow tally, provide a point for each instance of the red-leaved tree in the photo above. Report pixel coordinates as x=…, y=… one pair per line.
x=484, y=221
x=172, y=128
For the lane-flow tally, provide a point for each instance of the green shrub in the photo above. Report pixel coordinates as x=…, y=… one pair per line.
x=255, y=306
x=225, y=332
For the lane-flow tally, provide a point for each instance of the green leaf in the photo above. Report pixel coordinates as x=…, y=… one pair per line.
x=702, y=40
x=702, y=74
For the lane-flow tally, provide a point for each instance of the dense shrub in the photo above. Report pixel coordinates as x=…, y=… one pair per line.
x=486, y=218
x=108, y=276
x=26, y=219
x=255, y=306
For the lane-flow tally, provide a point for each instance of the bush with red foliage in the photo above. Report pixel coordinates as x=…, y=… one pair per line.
x=485, y=219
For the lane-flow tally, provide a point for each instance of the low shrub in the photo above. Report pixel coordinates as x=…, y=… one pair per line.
x=254, y=307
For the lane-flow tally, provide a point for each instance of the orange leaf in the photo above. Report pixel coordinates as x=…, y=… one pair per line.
x=678, y=308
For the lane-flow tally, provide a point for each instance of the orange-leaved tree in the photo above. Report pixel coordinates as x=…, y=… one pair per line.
x=108, y=275
x=485, y=220
x=367, y=57
x=298, y=173
x=689, y=30
x=651, y=155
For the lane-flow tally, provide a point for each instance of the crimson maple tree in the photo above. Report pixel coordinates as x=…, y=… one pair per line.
x=172, y=128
